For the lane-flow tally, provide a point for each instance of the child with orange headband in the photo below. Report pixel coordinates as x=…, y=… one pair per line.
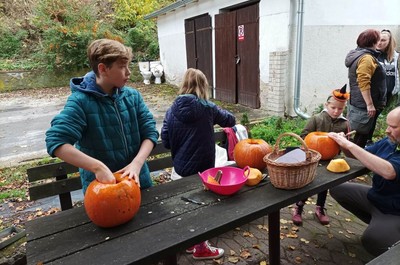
x=331, y=119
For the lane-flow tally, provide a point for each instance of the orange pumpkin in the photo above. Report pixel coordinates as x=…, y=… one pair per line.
x=109, y=205
x=250, y=152
x=320, y=141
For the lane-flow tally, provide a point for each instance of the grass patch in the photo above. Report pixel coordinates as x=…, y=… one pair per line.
x=14, y=180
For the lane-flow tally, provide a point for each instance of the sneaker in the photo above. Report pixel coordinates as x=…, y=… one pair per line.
x=190, y=250
x=205, y=251
x=296, y=215
x=322, y=217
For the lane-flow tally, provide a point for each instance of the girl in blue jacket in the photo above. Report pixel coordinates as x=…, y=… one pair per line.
x=188, y=130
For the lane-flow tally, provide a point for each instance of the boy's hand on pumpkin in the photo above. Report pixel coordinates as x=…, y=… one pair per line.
x=132, y=170
x=105, y=177
x=340, y=139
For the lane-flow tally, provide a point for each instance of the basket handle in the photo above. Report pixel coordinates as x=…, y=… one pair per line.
x=306, y=150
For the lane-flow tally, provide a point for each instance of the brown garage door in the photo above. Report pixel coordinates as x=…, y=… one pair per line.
x=237, y=56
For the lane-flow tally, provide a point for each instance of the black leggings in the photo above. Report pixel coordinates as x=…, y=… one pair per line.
x=321, y=199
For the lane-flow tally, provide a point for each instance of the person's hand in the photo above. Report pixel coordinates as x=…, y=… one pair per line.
x=132, y=170
x=340, y=139
x=104, y=175
x=341, y=134
x=371, y=110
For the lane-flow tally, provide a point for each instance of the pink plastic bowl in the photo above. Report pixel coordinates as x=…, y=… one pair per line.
x=232, y=179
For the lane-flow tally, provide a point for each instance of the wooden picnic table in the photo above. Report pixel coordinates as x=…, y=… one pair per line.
x=165, y=224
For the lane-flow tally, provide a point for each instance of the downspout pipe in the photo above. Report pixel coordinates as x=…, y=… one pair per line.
x=299, y=51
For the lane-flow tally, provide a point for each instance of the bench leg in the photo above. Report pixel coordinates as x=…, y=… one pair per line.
x=274, y=238
x=65, y=201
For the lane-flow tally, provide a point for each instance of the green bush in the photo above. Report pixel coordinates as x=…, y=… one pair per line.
x=68, y=26
x=11, y=43
x=272, y=127
x=143, y=41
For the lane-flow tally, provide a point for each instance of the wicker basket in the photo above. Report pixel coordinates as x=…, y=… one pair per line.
x=291, y=175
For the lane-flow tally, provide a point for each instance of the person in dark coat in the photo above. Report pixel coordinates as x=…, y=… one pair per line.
x=188, y=126
x=367, y=80
x=188, y=130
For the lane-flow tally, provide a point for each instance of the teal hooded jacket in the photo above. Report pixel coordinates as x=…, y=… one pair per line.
x=108, y=128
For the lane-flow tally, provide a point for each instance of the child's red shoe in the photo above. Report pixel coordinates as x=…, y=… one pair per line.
x=322, y=217
x=205, y=251
x=190, y=250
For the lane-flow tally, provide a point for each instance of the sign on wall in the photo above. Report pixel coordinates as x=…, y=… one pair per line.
x=241, y=33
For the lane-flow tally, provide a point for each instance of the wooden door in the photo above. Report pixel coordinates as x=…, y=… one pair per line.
x=248, y=73
x=237, y=56
x=225, y=53
x=190, y=37
x=198, y=35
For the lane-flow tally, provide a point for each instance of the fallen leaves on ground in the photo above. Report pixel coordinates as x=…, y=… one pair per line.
x=298, y=260
x=247, y=234
x=233, y=259
x=245, y=254
x=304, y=240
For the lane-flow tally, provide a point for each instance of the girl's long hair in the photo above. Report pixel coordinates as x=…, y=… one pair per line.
x=195, y=82
x=390, y=48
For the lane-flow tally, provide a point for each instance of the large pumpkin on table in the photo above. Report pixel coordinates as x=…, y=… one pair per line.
x=320, y=141
x=109, y=205
x=251, y=152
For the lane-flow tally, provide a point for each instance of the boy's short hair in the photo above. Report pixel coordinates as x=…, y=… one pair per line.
x=107, y=51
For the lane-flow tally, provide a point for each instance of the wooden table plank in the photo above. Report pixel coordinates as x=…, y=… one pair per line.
x=60, y=221
x=171, y=226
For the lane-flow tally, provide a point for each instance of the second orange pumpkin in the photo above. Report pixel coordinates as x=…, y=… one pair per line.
x=320, y=141
x=251, y=152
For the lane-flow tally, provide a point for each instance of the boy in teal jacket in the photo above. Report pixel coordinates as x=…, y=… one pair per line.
x=105, y=126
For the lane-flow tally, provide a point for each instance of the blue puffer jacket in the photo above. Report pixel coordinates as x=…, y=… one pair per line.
x=108, y=128
x=188, y=130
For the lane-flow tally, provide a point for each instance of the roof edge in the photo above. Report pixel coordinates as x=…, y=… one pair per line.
x=169, y=8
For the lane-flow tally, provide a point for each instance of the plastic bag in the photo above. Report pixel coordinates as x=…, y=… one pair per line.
x=221, y=157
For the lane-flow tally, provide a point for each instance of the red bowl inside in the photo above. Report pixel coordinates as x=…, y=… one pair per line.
x=232, y=179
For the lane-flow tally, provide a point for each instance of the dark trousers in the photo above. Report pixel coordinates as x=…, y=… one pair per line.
x=383, y=229
x=361, y=139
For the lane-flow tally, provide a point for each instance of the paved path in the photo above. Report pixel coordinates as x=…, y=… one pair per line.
x=313, y=243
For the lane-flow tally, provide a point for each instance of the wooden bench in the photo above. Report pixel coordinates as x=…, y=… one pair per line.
x=62, y=178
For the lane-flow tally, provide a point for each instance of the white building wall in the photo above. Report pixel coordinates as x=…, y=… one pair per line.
x=331, y=28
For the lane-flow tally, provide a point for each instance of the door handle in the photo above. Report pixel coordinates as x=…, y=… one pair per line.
x=237, y=57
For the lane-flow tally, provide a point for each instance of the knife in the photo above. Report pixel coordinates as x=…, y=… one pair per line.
x=191, y=200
